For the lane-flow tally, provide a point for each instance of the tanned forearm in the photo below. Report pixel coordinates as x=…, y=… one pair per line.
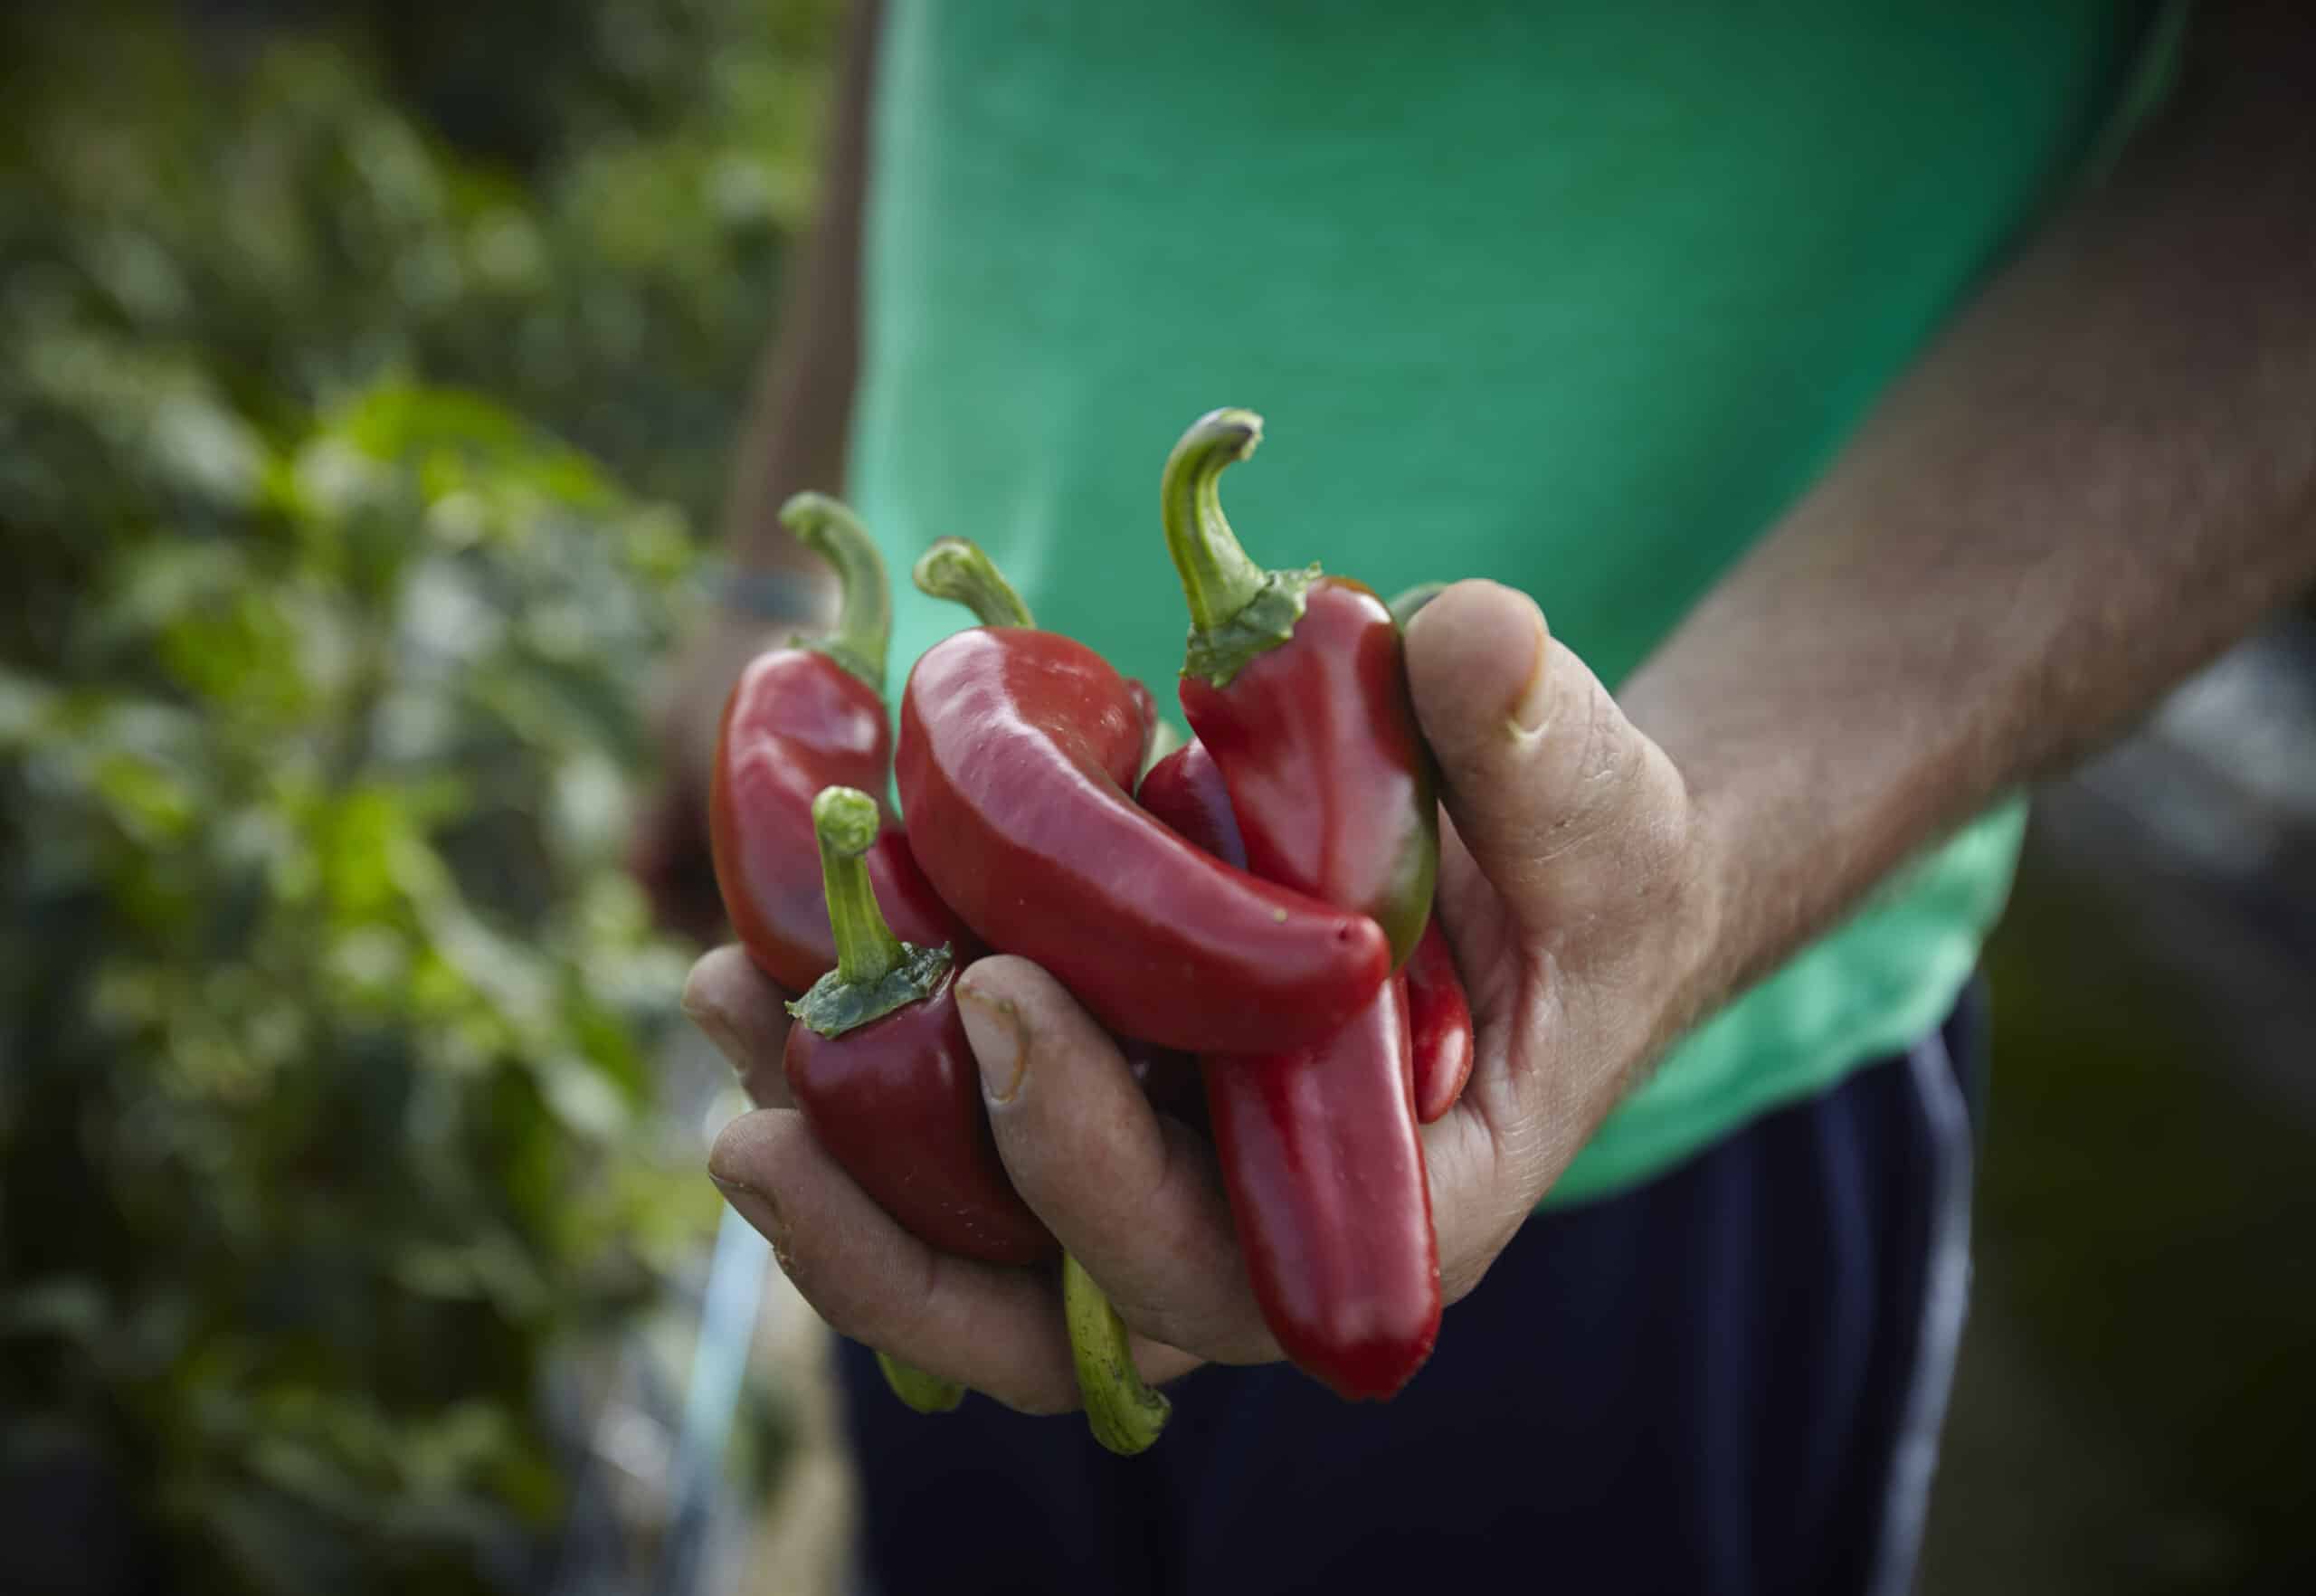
x=2102, y=474
x=794, y=436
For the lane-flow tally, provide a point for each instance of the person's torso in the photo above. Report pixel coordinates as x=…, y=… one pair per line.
x=1574, y=296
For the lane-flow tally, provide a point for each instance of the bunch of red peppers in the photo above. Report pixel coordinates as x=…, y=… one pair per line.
x=1258, y=900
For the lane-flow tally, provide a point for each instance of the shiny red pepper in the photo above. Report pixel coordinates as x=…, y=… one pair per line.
x=800, y=719
x=1296, y=683
x=1185, y=790
x=1018, y=751
x=1327, y=1186
x=1440, y=1017
x=1146, y=704
x=878, y=1063
x=1322, y=1160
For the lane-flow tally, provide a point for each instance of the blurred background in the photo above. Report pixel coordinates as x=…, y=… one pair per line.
x=367, y=374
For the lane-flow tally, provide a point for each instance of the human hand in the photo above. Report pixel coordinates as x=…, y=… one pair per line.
x=1579, y=892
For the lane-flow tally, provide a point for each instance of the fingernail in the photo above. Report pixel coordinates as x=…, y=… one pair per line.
x=759, y=1210
x=1001, y=1039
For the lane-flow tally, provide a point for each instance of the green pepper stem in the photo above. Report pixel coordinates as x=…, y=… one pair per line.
x=1218, y=578
x=844, y=819
x=1403, y=608
x=961, y=570
x=926, y=1394
x=1124, y=1413
x=864, y=623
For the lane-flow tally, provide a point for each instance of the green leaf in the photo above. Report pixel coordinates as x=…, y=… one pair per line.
x=73, y=1308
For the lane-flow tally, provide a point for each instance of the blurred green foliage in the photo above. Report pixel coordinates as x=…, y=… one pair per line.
x=346, y=473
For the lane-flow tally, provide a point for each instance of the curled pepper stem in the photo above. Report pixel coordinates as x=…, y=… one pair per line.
x=1218, y=578
x=926, y=1394
x=1124, y=1413
x=864, y=623
x=961, y=570
x=844, y=819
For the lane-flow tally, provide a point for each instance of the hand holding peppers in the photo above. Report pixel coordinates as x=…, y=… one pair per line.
x=1575, y=952
x=1571, y=884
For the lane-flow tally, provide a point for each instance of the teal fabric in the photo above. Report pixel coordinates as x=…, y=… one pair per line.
x=1577, y=296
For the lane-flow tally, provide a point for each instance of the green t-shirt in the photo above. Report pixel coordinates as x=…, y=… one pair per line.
x=1576, y=295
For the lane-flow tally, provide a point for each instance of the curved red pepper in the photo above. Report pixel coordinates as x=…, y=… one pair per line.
x=880, y=1067
x=1327, y=1186
x=1322, y=1160
x=1185, y=790
x=1019, y=750
x=1441, y=1018
x=1146, y=704
x=1297, y=684
x=800, y=718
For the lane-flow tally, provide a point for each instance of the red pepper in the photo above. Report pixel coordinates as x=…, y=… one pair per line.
x=1322, y=1161
x=1019, y=750
x=878, y=1063
x=1185, y=790
x=1440, y=1016
x=800, y=719
x=1297, y=684
x=1327, y=1186
x=880, y=1066
x=1146, y=704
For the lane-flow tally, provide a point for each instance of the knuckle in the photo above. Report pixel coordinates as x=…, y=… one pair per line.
x=1194, y=1330
x=1220, y=1324
x=841, y=1306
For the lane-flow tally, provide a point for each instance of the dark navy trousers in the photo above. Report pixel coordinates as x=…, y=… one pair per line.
x=1729, y=1379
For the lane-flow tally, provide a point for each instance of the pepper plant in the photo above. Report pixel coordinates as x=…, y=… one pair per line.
x=328, y=1102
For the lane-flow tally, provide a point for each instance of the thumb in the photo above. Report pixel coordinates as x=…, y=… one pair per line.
x=1551, y=789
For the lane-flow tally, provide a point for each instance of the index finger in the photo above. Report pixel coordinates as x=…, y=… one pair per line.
x=746, y=1017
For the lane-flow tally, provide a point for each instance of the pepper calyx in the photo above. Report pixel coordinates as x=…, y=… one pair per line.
x=1217, y=654
x=853, y=660
x=835, y=1005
